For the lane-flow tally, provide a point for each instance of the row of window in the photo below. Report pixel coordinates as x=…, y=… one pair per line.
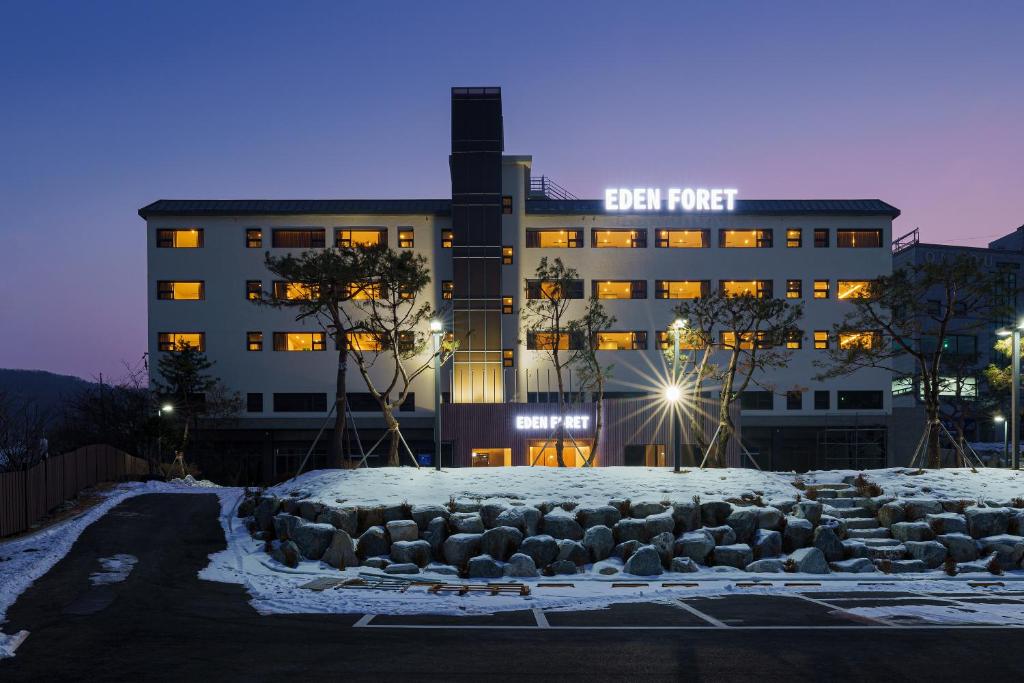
x=282, y=341
x=846, y=400
x=317, y=402
x=289, y=238
x=636, y=340
x=693, y=289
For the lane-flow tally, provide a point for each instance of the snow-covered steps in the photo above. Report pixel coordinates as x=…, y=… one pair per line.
x=852, y=513
x=879, y=542
x=874, y=532
x=862, y=524
x=853, y=502
x=848, y=493
x=887, y=552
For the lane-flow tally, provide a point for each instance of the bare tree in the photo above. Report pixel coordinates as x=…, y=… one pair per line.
x=22, y=428
x=592, y=372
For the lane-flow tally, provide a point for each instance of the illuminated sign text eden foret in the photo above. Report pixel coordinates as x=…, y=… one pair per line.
x=674, y=199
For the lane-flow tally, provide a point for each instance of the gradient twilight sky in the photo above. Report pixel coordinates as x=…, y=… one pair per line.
x=107, y=106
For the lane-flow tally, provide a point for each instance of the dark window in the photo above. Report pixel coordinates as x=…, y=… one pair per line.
x=254, y=238
x=507, y=253
x=254, y=403
x=794, y=238
x=794, y=400
x=545, y=341
x=934, y=307
x=859, y=400
x=253, y=289
x=859, y=239
x=506, y=204
x=821, y=400
x=508, y=358
x=756, y=400
x=164, y=290
x=540, y=289
x=794, y=289
x=447, y=237
x=364, y=402
x=821, y=238
x=298, y=238
x=406, y=238
x=254, y=341
x=554, y=238
x=794, y=339
x=180, y=238
x=300, y=403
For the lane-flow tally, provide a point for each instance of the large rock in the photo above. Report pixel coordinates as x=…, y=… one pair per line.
x=437, y=531
x=853, y=549
x=416, y=552
x=444, y=569
x=961, y=547
x=683, y=565
x=658, y=524
x=646, y=508
x=798, y=534
x=918, y=509
x=737, y=555
x=766, y=543
x=644, y=562
x=809, y=510
x=267, y=507
x=912, y=531
x=395, y=512
x=376, y=562
x=723, y=535
x=489, y=513
x=891, y=513
x=574, y=551
x=423, y=514
x=1016, y=525
x=401, y=568
x=344, y=518
x=501, y=542
x=290, y=505
x=466, y=523
x=771, y=565
x=521, y=566
x=604, y=515
x=624, y=550
x=932, y=553
x=1009, y=550
x=484, y=567
x=599, y=541
x=947, y=523
x=687, y=516
x=855, y=565
x=458, y=548
x=312, y=539
x=287, y=553
x=542, y=549
x=341, y=553
x=836, y=524
x=463, y=505
x=664, y=543
x=828, y=543
x=526, y=518
x=904, y=566
x=695, y=545
x=743, y=522
x=309, y=510
x=372, y=542
x=562, y=567
x=770, y=518
x=284, y=525
x=403, y=530
x=809, y=561
x=561, y=524
x=984, y=522
x=714, y=512
x=370, y=515
x=630, y=530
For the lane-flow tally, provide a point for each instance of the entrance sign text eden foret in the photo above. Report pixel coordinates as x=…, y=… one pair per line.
x=675, y=199
x=550, y=422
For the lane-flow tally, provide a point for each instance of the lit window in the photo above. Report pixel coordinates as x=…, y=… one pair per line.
x=364, y=341
x=728, y=340
x=794, y=339
x=621, y=341
x=853, y=289
x=447, y=289
x=299, y=341
x=447, y=237
x=364, y=292
x=365, y=237
x=859, y=239
x=176, y=341
x=406, y=238
x=794, y=238
x=554, y=238
x=508, y=358
x=292, y=291
x=821, y=238
x=253, y=290
x=254, y=341
x=620, y=238
x=681, y=289
x=506, y=255
x=762, y=289
x=821, y=339
x=548, y=341
x=745, y=239
x=179, y=290
x=858, y=340
x=821, y=289
x=794, y=289
x=179, y=238
x=682, y=239
x=506, y=204
x=253, y=238
x=619, y=289
x=506, y=305
x=687, y=342
x=298, y=238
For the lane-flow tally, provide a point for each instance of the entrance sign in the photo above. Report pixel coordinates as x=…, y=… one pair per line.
x=550, y=422
x=674, y=199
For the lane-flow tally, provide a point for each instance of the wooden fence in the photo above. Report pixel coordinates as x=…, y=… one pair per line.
x=26, y=496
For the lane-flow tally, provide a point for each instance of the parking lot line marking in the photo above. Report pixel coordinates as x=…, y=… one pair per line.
x=864, y=627
x=363, y=621
x=852, y=615
x=706, y=617
x=542, y=620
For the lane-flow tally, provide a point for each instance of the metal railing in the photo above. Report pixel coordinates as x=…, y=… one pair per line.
x=542, y=187
x=906, y=241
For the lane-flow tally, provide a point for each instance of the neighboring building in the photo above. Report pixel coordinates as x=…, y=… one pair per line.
x=482, y=247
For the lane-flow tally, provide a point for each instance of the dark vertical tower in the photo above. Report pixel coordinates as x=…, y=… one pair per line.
x=477, y=144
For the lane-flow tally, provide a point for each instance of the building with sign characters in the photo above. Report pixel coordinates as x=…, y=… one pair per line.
x=482, y=245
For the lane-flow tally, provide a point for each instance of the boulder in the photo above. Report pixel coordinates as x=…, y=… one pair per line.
x=604, y=515
x=290, y=505
x=828, y=543
x=644, y=562
x=443, y=569
x=526, y=518
x=463, y=505
x=542, y=549
x=658, y=524
x=402, y=567
x=521, y=566
x=284, y=525
x=501, y=542
x=743, y=522
x=624, y=550
x=687, y=516
x=855, y=565
x=489, y=513
x=1009, y=550
x=344, y=518
x=309, y=510
x=247, y=507
x=981, y=565
x=312, y=539
x=395, y=512
x=737, y=555
x=714, y=512
x=424, y=514
x=466, y=523
x=403, y=530
x=630, y=530
x=287, y=553
x=836, y=524
x=809, y=561
x=416, y=552
x=683, y=565
x=695, y=545
x=809, y=510
x=771, y=565
x=561, y=524
x=341, y=553
x=608, y=567
x=458, y=548
x=912, y=531
x=932, y=553
x=599, y=541
x=891, y=513
x=484, y=567
x=1016, y=523
x=853, y=549
x=376, y=562
x=664, y=543
x=562, y=567
x=904, y=566
x=574, y=551
x=766, y=543
x=372, y=542
x=947, y=523
x=266, y=508
x=798, y=533
x=370, y=515
x=918, y=509
x=723, y=535
x=646, y=508
x=437, y=531
x=770, y=518
x=984, y=522
x=961, y=547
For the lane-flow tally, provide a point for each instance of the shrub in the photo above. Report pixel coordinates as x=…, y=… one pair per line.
x=949, y=566
x=812, y=494
x=696, y=499
x=799, y=483
x=885, y=566
x=1017, y=502
x=789, y=566
x=993, y=566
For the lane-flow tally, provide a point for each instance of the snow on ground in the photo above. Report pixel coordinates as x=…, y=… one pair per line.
x=596, y=486
x=114, y=569
x=977, y=613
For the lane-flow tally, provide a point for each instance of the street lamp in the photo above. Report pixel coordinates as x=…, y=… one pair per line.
x=1000, y=419
x=1014, y=391
x=165, y=408
x=436, y=331
x=677, y=446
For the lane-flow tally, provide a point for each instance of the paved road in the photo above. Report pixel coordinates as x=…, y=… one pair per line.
x=163, y=623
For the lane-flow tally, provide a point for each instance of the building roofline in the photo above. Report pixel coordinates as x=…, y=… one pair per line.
x=762, y=207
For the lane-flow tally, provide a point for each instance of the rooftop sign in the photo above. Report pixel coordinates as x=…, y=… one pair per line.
x=673, y=199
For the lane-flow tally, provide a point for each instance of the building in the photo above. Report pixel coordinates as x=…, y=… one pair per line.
x=483, y=245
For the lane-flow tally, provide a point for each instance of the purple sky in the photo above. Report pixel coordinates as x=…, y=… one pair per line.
x=110, y=105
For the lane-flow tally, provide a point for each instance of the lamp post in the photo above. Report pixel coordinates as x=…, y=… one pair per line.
x=1014, y=334
x=677, y=447
x=165, y=408
x=436, y=330
x=999, y=419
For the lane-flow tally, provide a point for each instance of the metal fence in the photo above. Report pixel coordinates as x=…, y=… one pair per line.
x=26, y=496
